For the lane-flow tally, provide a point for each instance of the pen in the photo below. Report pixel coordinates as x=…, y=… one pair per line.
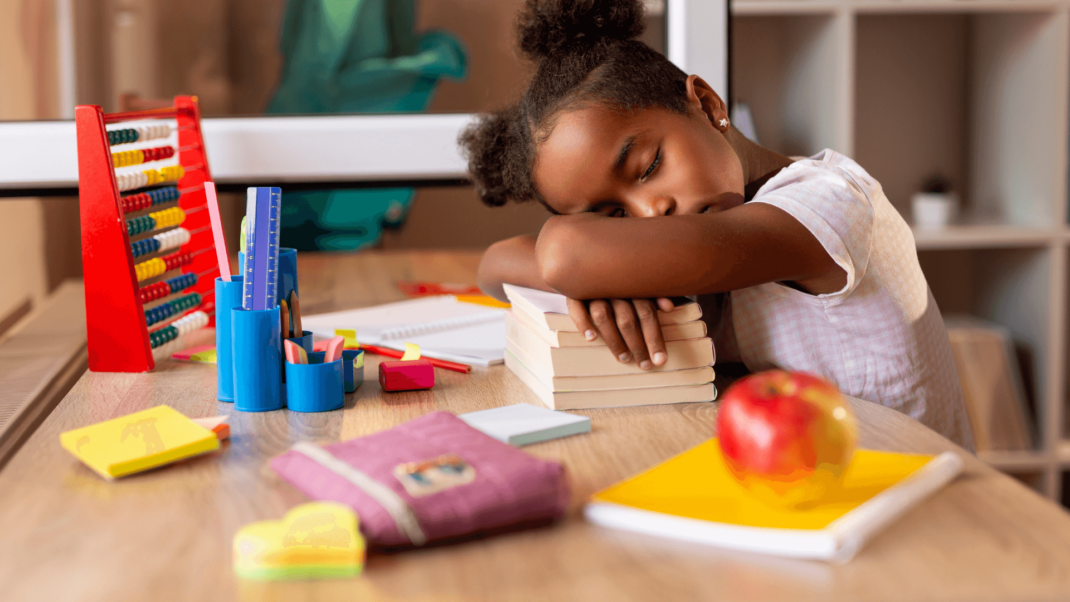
x=434, y=362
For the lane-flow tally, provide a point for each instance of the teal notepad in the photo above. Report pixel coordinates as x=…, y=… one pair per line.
x=523, y=424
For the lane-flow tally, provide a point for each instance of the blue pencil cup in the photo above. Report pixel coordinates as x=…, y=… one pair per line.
x=316, y=386
x=287, y=271
x=353, y=368
x=228, y=296
x=257, y=347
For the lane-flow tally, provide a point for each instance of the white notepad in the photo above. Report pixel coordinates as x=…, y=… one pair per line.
x=442, y=326
x=523, y=424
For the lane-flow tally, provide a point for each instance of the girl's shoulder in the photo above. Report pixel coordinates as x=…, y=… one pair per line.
x=827, y=174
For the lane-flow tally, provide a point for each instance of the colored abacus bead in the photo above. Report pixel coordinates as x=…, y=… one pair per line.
x=151, y=268
x=177, y=260
x=154, y=291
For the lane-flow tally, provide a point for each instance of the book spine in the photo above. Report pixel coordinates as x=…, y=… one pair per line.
x=853, y=530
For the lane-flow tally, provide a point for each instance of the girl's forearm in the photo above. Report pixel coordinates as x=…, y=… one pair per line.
x=587, y=256
x=510, y=261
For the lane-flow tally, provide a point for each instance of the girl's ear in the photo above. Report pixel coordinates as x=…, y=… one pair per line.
x=701, y=97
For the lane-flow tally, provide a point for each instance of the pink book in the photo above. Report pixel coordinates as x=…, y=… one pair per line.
x=430, y=479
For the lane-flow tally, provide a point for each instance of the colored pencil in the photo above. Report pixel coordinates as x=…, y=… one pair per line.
x=434, y=362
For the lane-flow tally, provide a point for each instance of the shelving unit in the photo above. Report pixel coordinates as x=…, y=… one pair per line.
x=975, y=90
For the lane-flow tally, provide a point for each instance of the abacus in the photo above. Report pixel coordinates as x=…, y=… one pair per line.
x=146, y=237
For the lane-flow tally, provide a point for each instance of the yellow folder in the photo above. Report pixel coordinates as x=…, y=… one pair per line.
x=692, y=496
x=138, y=442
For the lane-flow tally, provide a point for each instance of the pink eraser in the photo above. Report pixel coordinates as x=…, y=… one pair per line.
x=295, y=354
x=320, y=345
x=334, y=349
x=406, y=376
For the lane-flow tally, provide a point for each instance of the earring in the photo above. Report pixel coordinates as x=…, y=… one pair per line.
x=723, y=123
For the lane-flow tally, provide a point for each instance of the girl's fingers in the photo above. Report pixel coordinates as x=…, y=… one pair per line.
x=602, y=316
x=577, y=310
x=630, y=330
x=665, y=304
x=647, y=312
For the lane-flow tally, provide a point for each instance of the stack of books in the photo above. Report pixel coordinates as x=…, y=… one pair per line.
x=567, y=372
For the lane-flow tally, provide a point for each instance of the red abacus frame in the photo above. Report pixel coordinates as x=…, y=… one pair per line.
x=116, y=329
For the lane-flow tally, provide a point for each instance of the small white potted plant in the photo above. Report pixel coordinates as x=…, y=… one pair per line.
x=935, y=206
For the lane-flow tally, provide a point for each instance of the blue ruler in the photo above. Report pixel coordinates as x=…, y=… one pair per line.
x=261, y=247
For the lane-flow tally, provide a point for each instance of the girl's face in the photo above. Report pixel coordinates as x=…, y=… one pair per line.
x=650, y=163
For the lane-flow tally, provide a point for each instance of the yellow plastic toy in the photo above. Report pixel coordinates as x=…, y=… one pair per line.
x=318, y=540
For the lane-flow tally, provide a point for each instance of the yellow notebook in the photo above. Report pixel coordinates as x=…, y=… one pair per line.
x=692, y=496
x=138, y=442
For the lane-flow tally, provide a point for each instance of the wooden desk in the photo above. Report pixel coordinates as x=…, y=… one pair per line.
x=65, y=534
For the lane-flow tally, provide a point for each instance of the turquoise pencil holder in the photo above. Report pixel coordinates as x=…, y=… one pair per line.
x=353, y=368
x=316, y=386
x=228, y=295
x=257, y=348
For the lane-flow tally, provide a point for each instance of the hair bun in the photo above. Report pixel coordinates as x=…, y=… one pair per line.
x=545, y=27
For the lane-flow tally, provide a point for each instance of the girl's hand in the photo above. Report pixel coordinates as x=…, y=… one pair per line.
x=629, y=327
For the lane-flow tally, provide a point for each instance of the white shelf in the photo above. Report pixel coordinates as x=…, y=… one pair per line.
x=985, y=237
x=783, y=7
x=1016, y=461
x=250, y=150
x=976, y=91
x=805, y=7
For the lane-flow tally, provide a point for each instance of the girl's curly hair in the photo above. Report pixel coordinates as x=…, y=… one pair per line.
x=585, y=51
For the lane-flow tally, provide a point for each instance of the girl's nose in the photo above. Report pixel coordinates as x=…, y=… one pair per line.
x=662, y=205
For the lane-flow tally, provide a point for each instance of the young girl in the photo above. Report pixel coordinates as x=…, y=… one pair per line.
x=822, y=271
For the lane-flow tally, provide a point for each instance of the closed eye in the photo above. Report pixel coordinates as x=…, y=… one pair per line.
x=653, y=165
x=609, y=209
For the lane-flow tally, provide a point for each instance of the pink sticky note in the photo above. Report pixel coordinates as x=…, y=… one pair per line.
x=217, y=231
x=334, y=349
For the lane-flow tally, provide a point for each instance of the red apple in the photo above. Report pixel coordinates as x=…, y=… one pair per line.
x=787, y=437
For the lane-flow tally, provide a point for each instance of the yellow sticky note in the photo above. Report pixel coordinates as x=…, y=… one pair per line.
x=350, y=337
x=314, y=540
x=412, y=352
x=207, y=356
x=138, y=442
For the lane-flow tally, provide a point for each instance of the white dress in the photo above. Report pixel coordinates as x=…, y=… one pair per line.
x=881, y=338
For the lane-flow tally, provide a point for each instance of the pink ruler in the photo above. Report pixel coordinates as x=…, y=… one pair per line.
x=217, y=231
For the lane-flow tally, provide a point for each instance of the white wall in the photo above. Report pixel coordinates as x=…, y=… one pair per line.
x=22, y=259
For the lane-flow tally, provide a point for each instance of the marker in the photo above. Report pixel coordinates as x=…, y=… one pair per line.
x=393, y=353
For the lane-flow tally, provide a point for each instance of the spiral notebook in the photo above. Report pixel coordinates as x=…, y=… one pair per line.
x=443, y=327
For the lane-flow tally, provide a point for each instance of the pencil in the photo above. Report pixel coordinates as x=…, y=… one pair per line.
x=434, y=362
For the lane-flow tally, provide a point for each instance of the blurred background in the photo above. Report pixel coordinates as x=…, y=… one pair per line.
x=958, y=107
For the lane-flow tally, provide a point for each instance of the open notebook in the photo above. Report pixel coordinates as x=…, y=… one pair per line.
x=442, y=326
